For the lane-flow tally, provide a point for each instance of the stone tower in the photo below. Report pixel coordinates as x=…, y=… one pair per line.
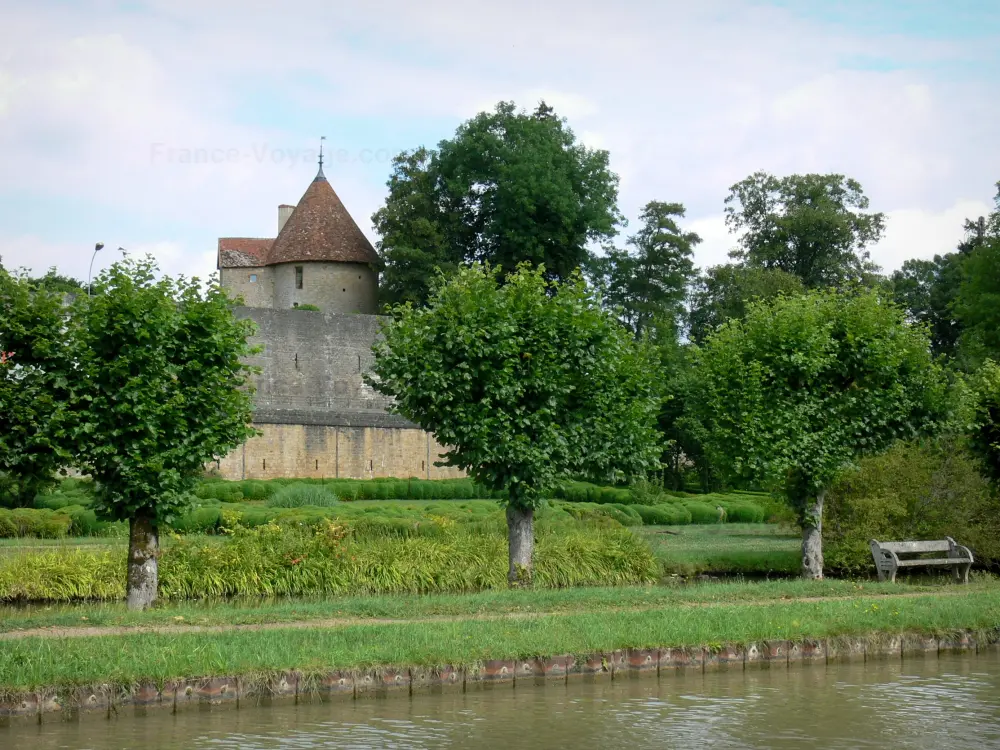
x=319, y=258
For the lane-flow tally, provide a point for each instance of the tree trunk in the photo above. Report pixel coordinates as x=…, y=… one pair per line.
x=812, y=539
x=520, y=545
x=143, y=544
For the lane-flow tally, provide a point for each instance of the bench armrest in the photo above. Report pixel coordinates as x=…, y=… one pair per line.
x=879, y=553
x=958, y=551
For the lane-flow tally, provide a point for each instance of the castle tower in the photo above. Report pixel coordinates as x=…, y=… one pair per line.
x=319, y=258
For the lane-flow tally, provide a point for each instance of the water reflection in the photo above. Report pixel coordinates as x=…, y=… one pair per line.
x=953, y=702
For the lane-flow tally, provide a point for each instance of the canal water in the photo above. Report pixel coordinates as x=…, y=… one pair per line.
x=951, y=702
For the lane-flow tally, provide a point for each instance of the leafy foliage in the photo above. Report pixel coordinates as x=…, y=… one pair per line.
x=916, y=490
x=412, y=230
x=978, y=303
x=813, y=226
x=510, y=187
x=648, y=283
x=159, y=388
x=52, y=281
x=985, y=439
x=527, y=381
x=32, y=396
x=724, y=292
x=928, y=290
x=804, y=386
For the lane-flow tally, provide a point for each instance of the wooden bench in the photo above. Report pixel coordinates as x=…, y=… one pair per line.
x=887, y=562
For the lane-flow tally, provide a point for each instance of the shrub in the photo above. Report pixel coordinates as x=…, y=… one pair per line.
x=301, y=494
x=743, y=512
x=917, y=490
x=663, y=514
x=702, y=512
x=634, y=519
x=367, y=490
x=644, y=492
x=34, y=522
x=306, y=307
x=227, y=492
x=253, y=489
x=85, y=523
x=203, y=520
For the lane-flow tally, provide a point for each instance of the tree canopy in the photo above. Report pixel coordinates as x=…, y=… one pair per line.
x=526, y=382
x=927, y=290
x=802, y=386
x=32, y=403
x=648, y=281
x=977, y=305
x=986, y=421
x=813, y=226
x=724, y=292
x=149, y=386
x=510, y=187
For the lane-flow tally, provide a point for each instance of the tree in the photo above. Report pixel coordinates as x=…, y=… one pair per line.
x=977, y=306
x=527, y=381
x=411, y=229
x=32, y=402
x=723, y=292
x=54, y=282
x=804, y=386
x=927, y=290
x=650, y=281
x=159, y=389
x=985, y=439
x=510, y=187
x=813, y=226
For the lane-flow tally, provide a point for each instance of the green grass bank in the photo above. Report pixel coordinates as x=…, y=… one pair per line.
x=131, y=658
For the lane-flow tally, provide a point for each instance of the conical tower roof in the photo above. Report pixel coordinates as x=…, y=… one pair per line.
x=320, y=229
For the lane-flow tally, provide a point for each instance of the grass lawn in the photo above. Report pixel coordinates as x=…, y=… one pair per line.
x=128, y=658
x=732, y=548
x=482, y=604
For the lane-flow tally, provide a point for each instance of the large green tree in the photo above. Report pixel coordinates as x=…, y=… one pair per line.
x=927, y=290
x=526, y=382
x=32, y=401
x=158, y=390
x=814, y=226
x=413, y=240
x=723, y=292
x=985, y=438
x=510, y=187
x=978, y=303
x=803, y=386
x=648, y=281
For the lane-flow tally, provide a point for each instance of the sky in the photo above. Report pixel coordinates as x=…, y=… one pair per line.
x=159, y=126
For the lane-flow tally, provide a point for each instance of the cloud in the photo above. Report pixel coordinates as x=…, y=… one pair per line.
x=913, y=233
x=688, y=99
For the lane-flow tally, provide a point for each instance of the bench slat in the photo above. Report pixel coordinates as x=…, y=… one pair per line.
x=898, y=547
x=935, y=561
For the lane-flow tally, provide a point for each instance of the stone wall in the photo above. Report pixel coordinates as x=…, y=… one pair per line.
x=349, y=288
x=254, y=285
x=322, y=451
x=318, y=417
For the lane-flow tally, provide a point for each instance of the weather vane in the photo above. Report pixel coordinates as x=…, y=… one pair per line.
x=320, y=174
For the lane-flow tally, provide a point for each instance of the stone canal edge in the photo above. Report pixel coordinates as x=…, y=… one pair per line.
x=108, y=700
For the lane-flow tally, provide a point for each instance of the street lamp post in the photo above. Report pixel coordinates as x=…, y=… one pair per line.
x=90, y=273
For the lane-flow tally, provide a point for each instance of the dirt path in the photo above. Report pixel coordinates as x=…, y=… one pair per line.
x=343, y=622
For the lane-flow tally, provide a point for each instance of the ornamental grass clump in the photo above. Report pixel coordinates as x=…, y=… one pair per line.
x=300, y=494
x=332, y=558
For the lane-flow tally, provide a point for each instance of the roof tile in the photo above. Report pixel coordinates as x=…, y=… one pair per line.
x=321, y=229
